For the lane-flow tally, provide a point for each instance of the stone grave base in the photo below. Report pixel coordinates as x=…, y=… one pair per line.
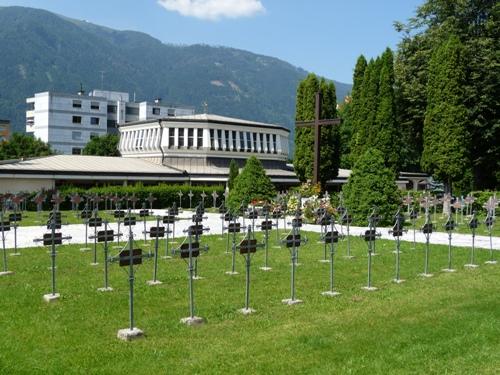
x=84, y=249
x=426, y=275
x=94, y=264
x=246, y=311
x=470, y=265
x=395, y=252
x=232, y=273
x=449, y=270
x=290, y=301
x=108, y=289
x=198, y=277
x=166, y=257
x=324, y=260
x=491, y=262
x=128, y=334
x=193, y=321
x=349, y=256
x=330, y=293
x=398, y=281
x=51, y=297
x=370, y=288
x=153, y=282
x=265, y=268
x=6, y=273
x=15, y=254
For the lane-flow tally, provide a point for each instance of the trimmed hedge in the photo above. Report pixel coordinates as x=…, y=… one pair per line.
x=165, y=194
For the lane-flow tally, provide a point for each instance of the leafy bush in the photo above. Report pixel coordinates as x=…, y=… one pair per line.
x=252, y=184
x=370, y=185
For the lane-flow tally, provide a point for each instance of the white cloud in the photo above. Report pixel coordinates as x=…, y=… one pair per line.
x=214, y=10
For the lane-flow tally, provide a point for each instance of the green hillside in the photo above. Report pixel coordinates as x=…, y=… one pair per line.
x=43, y=51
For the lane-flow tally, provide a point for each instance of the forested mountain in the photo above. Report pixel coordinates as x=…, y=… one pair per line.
x=43, y=51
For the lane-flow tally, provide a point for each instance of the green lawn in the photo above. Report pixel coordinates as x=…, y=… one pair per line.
x=446, y=324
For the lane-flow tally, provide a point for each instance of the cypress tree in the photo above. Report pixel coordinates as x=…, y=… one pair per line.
x=385, y=135
x=304, y=138
x=233, y=173
x=445, y=137
x=349, y=113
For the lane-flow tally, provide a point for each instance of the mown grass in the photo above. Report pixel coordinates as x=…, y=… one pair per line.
x=446, y=324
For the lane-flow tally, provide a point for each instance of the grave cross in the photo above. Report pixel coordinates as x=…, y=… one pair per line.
x=4, y=226
x=331, y=237
x=214, y=197
x=317, y=124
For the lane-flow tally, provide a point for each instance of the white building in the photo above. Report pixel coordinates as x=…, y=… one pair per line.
x=67, y=122
x=204, y=144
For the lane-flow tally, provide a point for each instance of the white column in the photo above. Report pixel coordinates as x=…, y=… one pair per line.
x=245, y=140
x=278, y=144
x=238, y=145
x=230, y=139
x=186, y=132
x=206, y=139
x=216, y=140
x=176, y=137
x=223, y=139
x=129, y=141
x=195, y=138
x=266, y=149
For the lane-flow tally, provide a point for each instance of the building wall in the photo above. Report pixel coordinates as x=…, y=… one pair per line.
x=67, y=122
x=14, y=185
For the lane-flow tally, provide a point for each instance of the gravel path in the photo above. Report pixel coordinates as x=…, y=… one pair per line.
x=25, y=235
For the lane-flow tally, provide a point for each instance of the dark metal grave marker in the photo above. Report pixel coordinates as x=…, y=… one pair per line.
x=86, y=214
x=449, y=226
x=233, y=228
x=106, y=235
x=331, y=237
x=370, y=236
x=427, y=230
x=292, y=241
x=247, y=247
x=490, y=222
x=156, y=232
x=346, y=219
x=4, y=227
x=397, y=232
x=189, y=251
x=266, y=225
x=473, y=224
x=52, y=239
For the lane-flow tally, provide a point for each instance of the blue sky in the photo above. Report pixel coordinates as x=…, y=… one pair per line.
x=322, y=36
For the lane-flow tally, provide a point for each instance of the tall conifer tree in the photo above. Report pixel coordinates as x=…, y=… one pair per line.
x=304, y=138
x=446, y=138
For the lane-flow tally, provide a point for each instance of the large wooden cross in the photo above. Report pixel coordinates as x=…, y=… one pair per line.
x=317, y=124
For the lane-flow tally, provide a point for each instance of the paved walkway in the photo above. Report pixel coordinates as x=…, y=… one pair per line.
x=25, y=235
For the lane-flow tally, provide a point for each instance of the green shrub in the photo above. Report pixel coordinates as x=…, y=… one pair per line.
x=252, y=184
x=370, y=185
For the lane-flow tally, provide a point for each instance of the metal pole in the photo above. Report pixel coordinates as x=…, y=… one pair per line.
x=156, y=251
x=105, y=255
x=369, y=264
x=166, y=241
x=294, y=263
x=190, y=270
x=266, y=236
x=414, y=231
x=95, y=238
x=3, y=243
x=53, y=255
x=131, y=277
x=233, y=249
x=397, y=258
x=426, y=266
x=348, y=240
x=449, y=250
x=247, y=290
x=473, y=247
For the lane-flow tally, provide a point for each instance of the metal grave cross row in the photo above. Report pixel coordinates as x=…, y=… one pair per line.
x=317, y=124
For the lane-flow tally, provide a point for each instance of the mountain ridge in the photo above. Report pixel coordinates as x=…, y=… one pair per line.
x=44, y=51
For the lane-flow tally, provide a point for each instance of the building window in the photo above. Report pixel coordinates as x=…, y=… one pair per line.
x=261, y=142
x=94, y=105
x=228, y=147
x=94, y=121
x=181, y=137
x=94, y=135
x=171, y=137
x=234, y=140
x=76, y=136
x=219, y=138
x=76, y=151
x=249, y=142
x=254, y=142
x=242, y=141
x=200, y=138
x=156, y=111
x=132, y=111
x=190, y=137
x=212, y=139
x=268, y=143
x=274, y=144
x=111, y=108
x=30, y=106
x=171, y=112
x=111, y=123
x=77, y=104
x=77, y=119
